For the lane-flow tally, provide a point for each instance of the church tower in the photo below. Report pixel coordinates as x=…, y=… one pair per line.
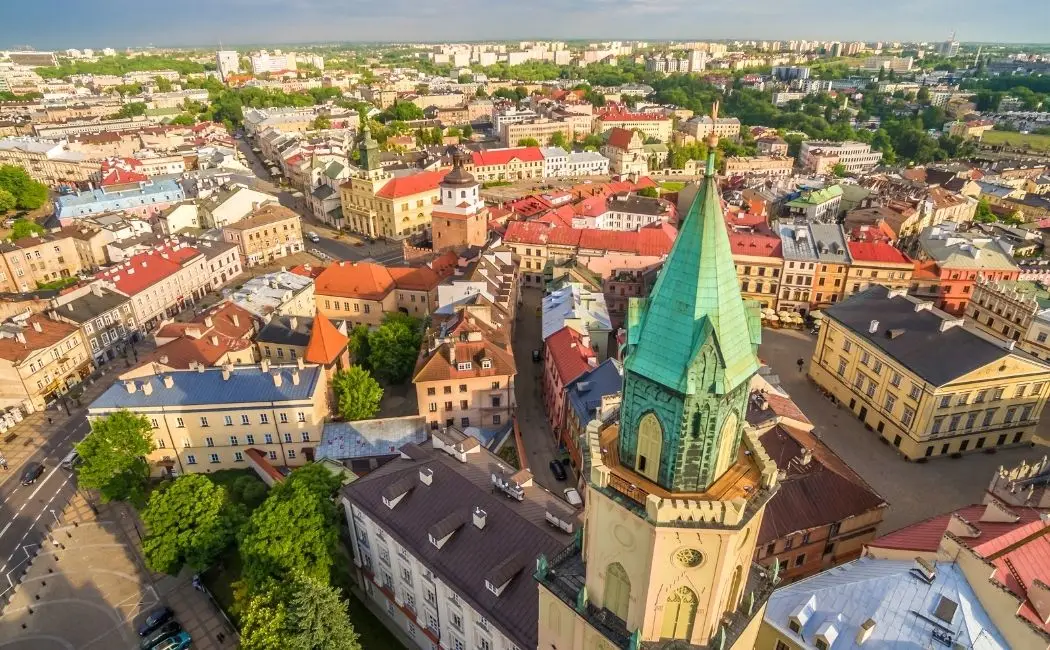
x=676, y=491
x=461, y=220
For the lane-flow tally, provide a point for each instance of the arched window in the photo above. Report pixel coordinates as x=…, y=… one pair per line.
x=650, y=441
x=726, y=449
x=734, y=590
x=617, y=590
x=679, y=614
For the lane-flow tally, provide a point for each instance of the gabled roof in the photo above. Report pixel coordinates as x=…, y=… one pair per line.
x=504, y=156
x=354, y=280
x=402, y=186
x=571, y=358
x=620, y=138
x=877, y=251
x=326, y=342
x=585, y=393
x=51, y=332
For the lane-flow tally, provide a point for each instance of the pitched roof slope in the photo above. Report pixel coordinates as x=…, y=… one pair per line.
x=696, y=295
x=326, y=342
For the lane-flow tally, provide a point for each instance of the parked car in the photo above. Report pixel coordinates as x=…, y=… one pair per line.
x=70, y=460
x=535, y=356
x=180, y=641
x=572, y=495
x=162, y=633
x=314, y=237
x=558, y=470
x=155, y=619
x=31, y=473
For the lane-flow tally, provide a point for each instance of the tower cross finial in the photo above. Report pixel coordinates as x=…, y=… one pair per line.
x=712, y=140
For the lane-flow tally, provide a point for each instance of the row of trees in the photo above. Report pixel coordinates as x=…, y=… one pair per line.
x=285, y=541
x=120, y=64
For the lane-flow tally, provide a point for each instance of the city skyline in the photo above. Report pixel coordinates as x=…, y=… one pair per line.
x=248, y=22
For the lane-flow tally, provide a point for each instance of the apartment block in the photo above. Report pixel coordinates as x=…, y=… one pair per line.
x=39, y=260
x=651, y=125
x=759, y=261
x=105, y=319
x=921, y=381
x=758, y=166
x=41, y=359
x=517, y=163
x=268, y=234
x=206, y=419
x=877, y=263
x=1013, y=311
x=821, y=156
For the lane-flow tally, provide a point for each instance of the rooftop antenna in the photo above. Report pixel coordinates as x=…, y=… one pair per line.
x=712, y=140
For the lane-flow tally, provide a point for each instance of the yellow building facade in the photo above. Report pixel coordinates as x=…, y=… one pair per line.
x=922, y=381
x=205, y=419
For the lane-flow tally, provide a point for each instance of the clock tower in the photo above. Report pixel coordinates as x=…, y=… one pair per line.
x=675, y=491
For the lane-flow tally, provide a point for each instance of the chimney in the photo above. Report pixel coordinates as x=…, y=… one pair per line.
x=69, y=306
x=426, y=475
x=215, y=340
x=200, y=367
x=225, y=373
x=873, y=327
x=479, y=517
x=169, y=382
x=300, y=364
x=295, y=377
x=452, y=352
x=96, y=289
x=807, y=456
x=164, y=359
x=147, y=388
x=208, y=322
x=293, y=322
x=236, y=320
x=586, y=340
x=37, y=328
x=130, y=385
x=865, y=631
x=277, y=379
x=264, y=365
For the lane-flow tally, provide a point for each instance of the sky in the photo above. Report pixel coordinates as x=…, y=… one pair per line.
x=61, y=24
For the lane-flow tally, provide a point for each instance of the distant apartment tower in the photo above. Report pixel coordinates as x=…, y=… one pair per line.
x=790, y=72
x=263, y=61
x=821, y=156
x=227, y=62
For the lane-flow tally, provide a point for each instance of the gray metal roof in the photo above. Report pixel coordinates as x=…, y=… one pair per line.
x=82, y=309
x=797, y=242
x=512, y=529
x=286, y=330
x=906, y=609
x=369, y=438
x=246, y=384
x=829, y=242
x=918, y=342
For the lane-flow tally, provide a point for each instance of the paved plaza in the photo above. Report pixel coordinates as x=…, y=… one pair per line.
x=914, y=491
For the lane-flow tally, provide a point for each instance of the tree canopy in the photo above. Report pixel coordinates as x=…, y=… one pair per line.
x=191, y=521
x=357, y=394
x=7, y=201
x=29, y=194
x=394, y=347
x=113, y=457
x=528, y=142
x=306, y=614
x=293, y=529
x=402, y=112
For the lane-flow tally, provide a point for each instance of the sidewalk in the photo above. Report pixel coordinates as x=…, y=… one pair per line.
x=197, y=614
x=27, y=437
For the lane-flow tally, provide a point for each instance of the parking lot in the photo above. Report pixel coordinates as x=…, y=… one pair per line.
x=914, y=491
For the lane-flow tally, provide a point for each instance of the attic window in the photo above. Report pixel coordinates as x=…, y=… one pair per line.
x=821, y=644
x=465, y=365
x=795, y=626
x=486, y=363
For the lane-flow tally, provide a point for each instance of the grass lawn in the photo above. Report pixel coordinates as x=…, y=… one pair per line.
x=61, y=283
x=672, y=186
x=1035, y=141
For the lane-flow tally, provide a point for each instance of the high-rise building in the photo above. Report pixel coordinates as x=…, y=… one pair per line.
x=227, y=62
x=676, y=490
x=949, y=48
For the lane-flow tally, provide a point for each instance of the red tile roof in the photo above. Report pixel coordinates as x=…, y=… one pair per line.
x=617, y=115
x=419, y=278
x=326, y=342
x=620, y=138
x=354, y=280
x=146, y=269
x=227, y=319
x=565, y=348
x=655, y=240
x=51, y=332
x=876, y=251
x=530, y=206
x=122, y=177
x=504, y=156
x=756, y=245
x=307, y=270
x=411, y=185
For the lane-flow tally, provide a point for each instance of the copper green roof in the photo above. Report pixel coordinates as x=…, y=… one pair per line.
x=696, y=295
x=816, y=197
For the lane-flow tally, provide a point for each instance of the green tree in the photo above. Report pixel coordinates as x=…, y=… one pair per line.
x=263, y=620
x=401, y=112
x=480, y=93
x=465, y=78
x=528, y=142
x=394, y=347
x=163, y=85
x=321, y=122
x=923, y=96
x=983, y=213
x=558, y=139
x=650, y=192
x=29, y=194
x=467, y=130
x=839, y=170
x=113, y=457
x=183, y=119
x=134, y=109
x=7, y=202
x=358, y=345
x=191, y=521
x=318, y=618
x=25, y=228
x=357, y=394
x=293, y=529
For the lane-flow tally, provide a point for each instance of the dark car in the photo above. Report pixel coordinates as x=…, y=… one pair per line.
x=165, y=631
x=535, y=356
x=558, y=470
x=31, y=473
x=155, y=619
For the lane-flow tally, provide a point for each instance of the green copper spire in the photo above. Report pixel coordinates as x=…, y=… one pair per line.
x=369, y=150
x=691, y=353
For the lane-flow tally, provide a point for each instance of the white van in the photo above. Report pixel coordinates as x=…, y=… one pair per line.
x=70, y=460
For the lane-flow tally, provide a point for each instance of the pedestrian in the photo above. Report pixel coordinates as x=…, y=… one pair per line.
x=49, y=420
x=801, y=362
x=222, y=637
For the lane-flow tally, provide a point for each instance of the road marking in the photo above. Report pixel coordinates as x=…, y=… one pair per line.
x=5, y=530
x=38, y=487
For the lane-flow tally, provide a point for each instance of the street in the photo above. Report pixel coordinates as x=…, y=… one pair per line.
x=914, y=491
